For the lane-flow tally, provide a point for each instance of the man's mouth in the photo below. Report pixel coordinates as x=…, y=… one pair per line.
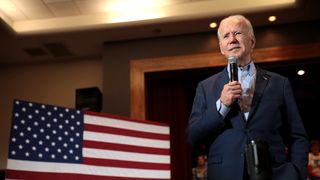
x=233, y=48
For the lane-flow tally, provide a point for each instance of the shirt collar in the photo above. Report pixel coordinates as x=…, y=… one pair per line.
x=249, y=67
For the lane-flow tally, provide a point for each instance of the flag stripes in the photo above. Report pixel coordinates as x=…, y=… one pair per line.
x=126, y=164
x=121, y=147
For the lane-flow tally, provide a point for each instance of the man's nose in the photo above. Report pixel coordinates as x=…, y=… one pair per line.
x=233, y=38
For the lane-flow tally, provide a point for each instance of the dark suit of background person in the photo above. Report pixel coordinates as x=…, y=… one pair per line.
x=273, y=116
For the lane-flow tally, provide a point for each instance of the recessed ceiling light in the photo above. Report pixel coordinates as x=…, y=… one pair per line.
x=272, y=18
x=213, y=25
x=301, y=72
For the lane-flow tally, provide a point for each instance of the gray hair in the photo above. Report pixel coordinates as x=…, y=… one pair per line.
x=240, y=18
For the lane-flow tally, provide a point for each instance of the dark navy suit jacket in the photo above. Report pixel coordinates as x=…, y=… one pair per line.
x=273, y=117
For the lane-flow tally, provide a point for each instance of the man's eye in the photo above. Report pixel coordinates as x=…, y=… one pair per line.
x=237, y=33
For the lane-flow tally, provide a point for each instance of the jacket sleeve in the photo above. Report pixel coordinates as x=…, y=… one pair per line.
x=204, y=118
x=299, y=140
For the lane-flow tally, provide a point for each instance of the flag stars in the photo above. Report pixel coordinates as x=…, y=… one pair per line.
x=45, y=132
x=17, y=102
x=35, y=136
x=21, y=134
x=47, y=137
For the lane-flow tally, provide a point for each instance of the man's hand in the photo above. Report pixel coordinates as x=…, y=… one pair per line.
x=230, y=93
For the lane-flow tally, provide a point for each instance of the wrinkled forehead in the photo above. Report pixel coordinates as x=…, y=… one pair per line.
x=232, y=24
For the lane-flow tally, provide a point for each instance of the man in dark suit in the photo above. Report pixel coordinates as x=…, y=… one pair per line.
x=259, y=106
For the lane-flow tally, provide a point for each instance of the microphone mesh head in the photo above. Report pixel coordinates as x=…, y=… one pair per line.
x=232, y=59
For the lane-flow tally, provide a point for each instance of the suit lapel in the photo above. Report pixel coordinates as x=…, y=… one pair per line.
x=262, y=80
x=223, y=79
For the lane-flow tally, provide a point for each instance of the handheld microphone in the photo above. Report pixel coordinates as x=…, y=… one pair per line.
x=232, y=60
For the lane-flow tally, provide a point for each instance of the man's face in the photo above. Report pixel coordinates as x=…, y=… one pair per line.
x=235, y=39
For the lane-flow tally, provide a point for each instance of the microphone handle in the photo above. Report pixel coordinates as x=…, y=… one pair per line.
x=233, y=72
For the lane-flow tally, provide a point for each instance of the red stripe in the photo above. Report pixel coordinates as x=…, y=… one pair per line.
x=13, y=174
x=126, y=164
x=125, y=132
x=125, y=118
x=127, y=148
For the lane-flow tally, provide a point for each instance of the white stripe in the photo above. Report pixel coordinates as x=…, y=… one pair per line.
x=128, y=140
x=86, y=169
x=125, y=156
x=117, y=123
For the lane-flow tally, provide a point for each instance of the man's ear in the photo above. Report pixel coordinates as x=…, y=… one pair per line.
x=253, y=42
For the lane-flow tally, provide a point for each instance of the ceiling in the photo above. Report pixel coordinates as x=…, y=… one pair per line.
x=50, y=30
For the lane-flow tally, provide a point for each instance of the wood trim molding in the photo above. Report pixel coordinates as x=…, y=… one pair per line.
x=139, y=67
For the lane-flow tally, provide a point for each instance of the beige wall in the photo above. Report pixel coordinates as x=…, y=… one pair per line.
x=51, y=83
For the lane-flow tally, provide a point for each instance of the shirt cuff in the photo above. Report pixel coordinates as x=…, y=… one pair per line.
x=222, y=109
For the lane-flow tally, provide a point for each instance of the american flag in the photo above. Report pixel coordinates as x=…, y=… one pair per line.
x=50, y=142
